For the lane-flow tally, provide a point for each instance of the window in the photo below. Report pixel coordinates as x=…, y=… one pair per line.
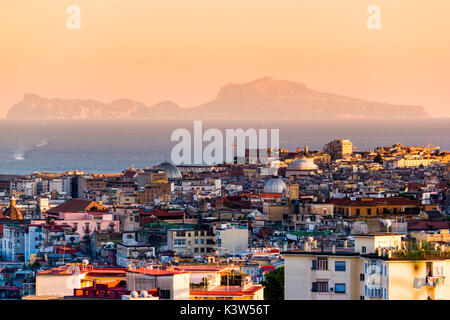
x=339, y=288
x=361, y=277
x=164, y=294
x=179, y=243
x=384, y=293
x=358, y=212
x=196, y=241
x=374, y=292
x=361, y=298
x=369, y=212
x=365, y=267
x=322, y=263
x=322, y=286
x=363, y=249
x=339, y=266
x=314, y=265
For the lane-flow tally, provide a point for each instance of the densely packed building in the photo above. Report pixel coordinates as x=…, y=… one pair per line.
x=344, y=224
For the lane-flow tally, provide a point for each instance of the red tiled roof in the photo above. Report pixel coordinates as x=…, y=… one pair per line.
x=376, y=202
x=156, y=272
x=422, y=224
x=230, y=292
x=73, y=205
x=197, y=268
x=267, y=268
x=162, y=214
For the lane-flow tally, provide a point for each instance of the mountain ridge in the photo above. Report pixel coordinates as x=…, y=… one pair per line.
x=258, y=99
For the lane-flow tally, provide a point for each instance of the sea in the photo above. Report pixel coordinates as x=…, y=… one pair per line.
x=111, y=146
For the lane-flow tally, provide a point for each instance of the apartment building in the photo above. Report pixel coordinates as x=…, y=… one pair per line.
x=131, y=252
x=192, y=242
x=339, y=148
x=172, y=285
x=208, y=240
x=379, y=268
x=205, y=187
x=371, y=207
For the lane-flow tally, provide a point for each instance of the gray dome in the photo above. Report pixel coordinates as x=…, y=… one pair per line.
x=275, y=185
x=173, y=173
x=303, y=164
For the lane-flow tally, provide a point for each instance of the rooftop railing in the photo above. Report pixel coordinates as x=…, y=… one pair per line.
x=420, y=255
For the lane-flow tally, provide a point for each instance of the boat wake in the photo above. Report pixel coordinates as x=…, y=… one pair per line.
x=20, y=155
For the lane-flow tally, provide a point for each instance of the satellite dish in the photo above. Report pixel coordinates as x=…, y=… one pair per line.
x=134, y=294
x=144, y=294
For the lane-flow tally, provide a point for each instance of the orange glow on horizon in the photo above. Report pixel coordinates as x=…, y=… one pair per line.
x=185, y=51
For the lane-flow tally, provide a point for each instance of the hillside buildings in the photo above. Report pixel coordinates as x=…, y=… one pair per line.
x=345, y=224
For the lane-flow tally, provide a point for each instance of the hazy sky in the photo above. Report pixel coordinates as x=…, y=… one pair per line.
x=153, y=50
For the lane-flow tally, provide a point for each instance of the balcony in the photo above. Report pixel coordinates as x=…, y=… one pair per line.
x=374, y=292
x=420, y=255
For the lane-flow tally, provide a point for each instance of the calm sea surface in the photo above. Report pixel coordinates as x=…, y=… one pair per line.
x=112, y=146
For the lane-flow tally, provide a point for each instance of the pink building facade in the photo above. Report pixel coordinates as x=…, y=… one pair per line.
x=88, y=222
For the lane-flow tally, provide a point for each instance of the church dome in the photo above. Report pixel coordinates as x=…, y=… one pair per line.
x=275, y=185
x=12, y=211
x=173, y=173
x=303, y=164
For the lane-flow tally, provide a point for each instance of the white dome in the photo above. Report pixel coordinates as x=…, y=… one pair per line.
x=275, y=185
x=303, y=164
x=173, y=173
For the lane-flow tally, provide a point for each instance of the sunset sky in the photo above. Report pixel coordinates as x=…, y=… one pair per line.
x=184, y=51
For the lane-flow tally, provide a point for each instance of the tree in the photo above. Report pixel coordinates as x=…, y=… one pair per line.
x=378, y=158
x=274, y=284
